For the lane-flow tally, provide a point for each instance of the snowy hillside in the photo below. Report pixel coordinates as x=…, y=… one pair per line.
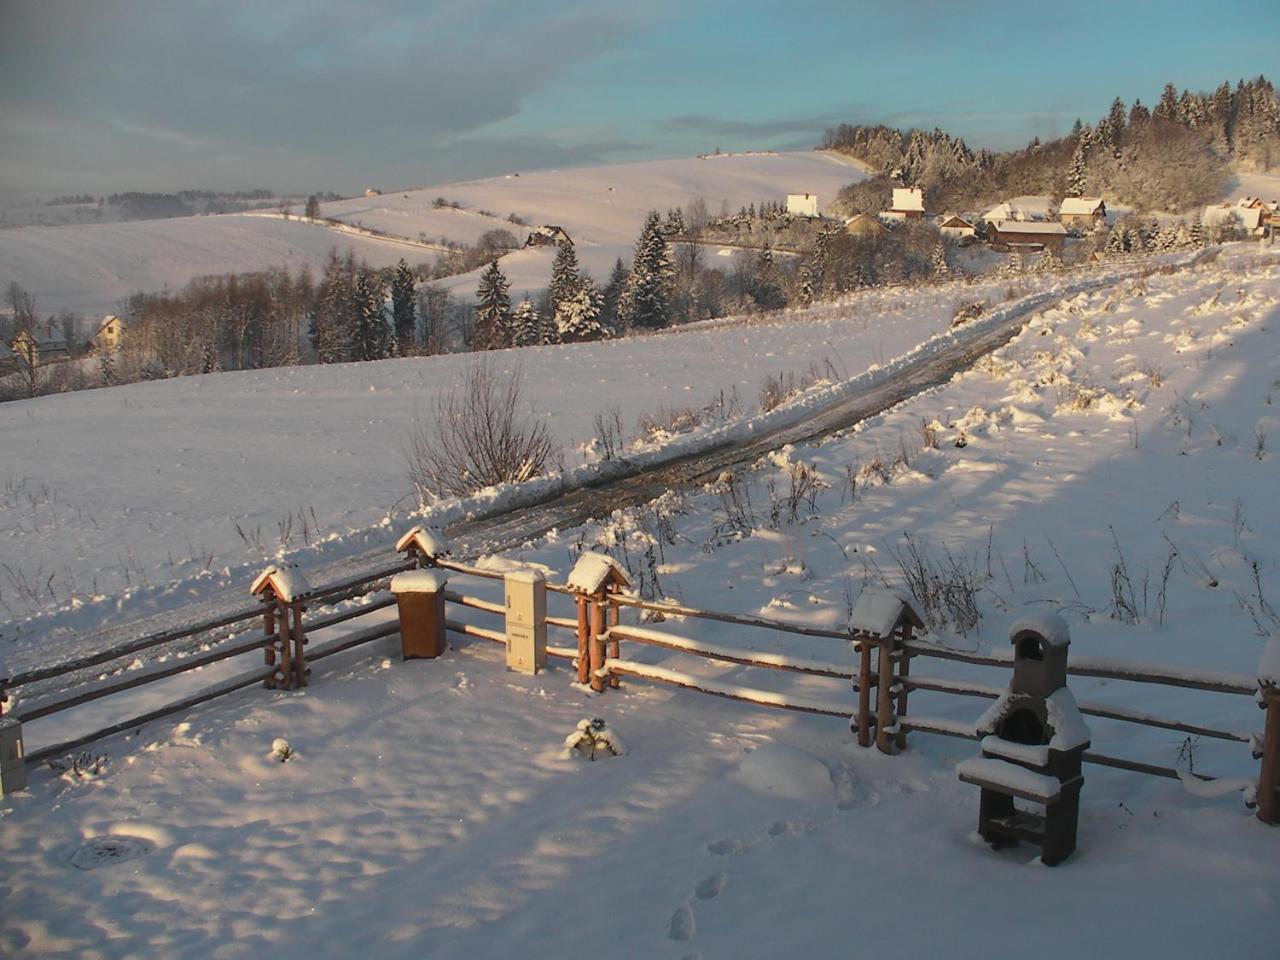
x=90, y=267
x=261, y=461
x=1113, y=463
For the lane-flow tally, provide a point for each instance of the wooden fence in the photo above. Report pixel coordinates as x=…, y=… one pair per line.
x=881, y=664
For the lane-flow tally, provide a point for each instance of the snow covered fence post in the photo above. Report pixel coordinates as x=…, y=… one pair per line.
x=423, y=546
x=283, y=589
x=594, y=577
x=1269, y=700
x=882, y=618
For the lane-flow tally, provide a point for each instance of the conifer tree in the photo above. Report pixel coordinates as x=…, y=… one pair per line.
x=564, y=277
x=402, y=308
x=1196, y=232
x=1076, y=176
x=612, y=293
x=644, y=301
x=526, y=325
x=493, y=311
x=938, y=262
x=330, y=331
x=578, y=317
x=368, y=313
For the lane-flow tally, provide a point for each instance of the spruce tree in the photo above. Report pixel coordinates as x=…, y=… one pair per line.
x=368, y=315
x=612, y=293
x=526, y=325
x=645, y=297
x=1076, y=176
x=578, y=317
x=564, y=277
x=329, y=331
x=938, y=262
x=402, y=309
x=493, y=311
x=1196, y=234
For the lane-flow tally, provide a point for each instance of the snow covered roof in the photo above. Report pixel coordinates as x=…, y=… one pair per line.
x=1030, y=226
x=954, y=220
x=1021, y=208
x=285, y=580
x=1048, y=625
x=1219, y=213
x=879, y=610
x=859, y=218
x=909, y=198
x=1081, y=206
x=419, y=581
x=593, y=570
x=431, y=543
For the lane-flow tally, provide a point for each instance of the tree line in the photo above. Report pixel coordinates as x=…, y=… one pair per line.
x=1173, y=157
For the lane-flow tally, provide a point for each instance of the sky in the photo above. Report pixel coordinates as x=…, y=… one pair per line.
x=297, y=96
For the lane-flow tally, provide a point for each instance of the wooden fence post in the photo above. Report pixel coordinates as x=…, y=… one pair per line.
x=1269, y=778
x=300, y=671
x=597, y=641
x=864, y=691
x=615, y=647
x=269, y=641
x=904, y=671
x=584, y=641
x=885, y=718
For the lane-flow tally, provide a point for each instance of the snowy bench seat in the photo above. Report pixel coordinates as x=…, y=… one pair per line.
x=1010, y=778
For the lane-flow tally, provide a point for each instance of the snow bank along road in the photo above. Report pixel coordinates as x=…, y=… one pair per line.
x=524, y=512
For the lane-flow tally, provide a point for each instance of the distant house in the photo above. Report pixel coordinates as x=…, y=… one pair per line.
x=862, y=225
x=1026, y=235
x=1269, y=210
x=956, y=227
x=1083, y=212
x=908, y=204
x=107, y=339
x=802, y=204
x=547, y=235
x=1020, y=208
x=40, y=347
x=1252, y=219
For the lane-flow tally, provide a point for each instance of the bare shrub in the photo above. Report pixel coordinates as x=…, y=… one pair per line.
x=946, y=587
x=478, y=436
x=609, y=436
x=776, y=389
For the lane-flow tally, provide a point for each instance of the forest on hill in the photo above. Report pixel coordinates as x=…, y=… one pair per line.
x=1173, y=157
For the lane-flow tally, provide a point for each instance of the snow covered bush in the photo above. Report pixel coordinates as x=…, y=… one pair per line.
x=591, y=739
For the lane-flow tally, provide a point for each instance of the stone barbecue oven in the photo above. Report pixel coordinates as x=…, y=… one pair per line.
x=1033, y=741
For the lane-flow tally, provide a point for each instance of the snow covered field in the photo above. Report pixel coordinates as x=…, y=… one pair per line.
x=198, y=479
x=90, y=267
x=427, y=811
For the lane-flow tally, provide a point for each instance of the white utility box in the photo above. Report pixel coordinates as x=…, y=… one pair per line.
x=526, y=621
x=13, y=761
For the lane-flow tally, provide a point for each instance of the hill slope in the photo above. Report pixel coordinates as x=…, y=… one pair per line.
x=90, y=267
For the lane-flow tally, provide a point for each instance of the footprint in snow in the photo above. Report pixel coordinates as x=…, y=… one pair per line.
x=722, y=848
x=683, y=925
x=708, y=888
